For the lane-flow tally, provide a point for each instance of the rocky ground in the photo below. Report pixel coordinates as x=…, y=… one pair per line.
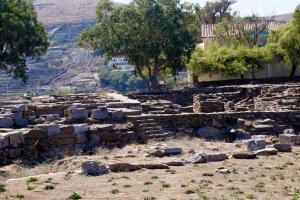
x=266, y=177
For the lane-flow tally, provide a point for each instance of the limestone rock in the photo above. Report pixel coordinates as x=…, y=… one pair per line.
x=209, y=132
x=51, y=129
x=283, y=147
x=77, y=113
x=256, y=144
x=15, y=137
x=289, y=139
x=123, y=167
x=17, y=108
x=267, y=152
x=244, y=155
x=172, y=151
x=241, y=135
x=4, y=141
x=14, y=153
x=53, y=117
x=101, y=113
x=154, y=166
x=289, y=132
x=217, y=157
x=67, y=130
x=93, y=168
x=118, y=115
x=6, y=122
x=81, y=128
x=198, y=158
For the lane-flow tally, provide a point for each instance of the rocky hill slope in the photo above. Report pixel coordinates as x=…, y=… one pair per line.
x=65, y=64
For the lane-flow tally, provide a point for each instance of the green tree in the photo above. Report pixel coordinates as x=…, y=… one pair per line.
x=284, y=43
x=21, y=36
x=227, y=60
x=152, y=34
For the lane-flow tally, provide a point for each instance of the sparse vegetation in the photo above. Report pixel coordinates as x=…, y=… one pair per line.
x=74, y=196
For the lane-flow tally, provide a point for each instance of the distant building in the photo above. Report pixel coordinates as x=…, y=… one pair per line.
x=121, y=64
x=270, y=71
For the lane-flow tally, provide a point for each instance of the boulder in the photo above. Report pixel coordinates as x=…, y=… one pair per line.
x=67, y=130
x=77, y=113
x=101, y=113
x=256, y=144
x=267, y=152
x=14, y=153
x=93, y=168
x=35, y=133
x=6, y=122
x=172, y=151
x=209, y=132
x=244, y=155
x=283, y=147
x=123, y=167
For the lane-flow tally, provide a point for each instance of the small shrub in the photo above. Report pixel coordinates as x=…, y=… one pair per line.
x=49, y=180
x=190, y=191
x=149, y=198
x=250, y=196
x=148, y=183
x=30, y=187
x=32, y=180
x=207, y=174
x=115, y=191
x=127, y=186
x=20, y=196
x=2, y=188
x=165, y=185
x=49, y=187
x=154, y=177
x=74, y=196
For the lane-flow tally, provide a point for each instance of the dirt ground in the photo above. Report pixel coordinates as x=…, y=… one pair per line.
x=275, y=177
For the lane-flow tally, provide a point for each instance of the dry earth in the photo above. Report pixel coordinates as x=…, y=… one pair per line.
x=274, y=177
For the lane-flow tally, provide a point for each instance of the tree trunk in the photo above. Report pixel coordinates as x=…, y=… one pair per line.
x=242, y=77
x=154, y=79
x=293, y=72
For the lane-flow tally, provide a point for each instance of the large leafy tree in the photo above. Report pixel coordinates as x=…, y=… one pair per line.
x=21, y=36
x=284, y=43
x=152, y=34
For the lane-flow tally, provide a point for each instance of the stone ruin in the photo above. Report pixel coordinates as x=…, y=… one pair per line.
x=53, y=127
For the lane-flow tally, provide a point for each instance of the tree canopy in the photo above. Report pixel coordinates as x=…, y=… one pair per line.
x=22, y=36
x=227, y=60
x=284, y=43
x=152, y=34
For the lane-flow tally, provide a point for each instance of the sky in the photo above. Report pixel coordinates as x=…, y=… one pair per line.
x=259, y=7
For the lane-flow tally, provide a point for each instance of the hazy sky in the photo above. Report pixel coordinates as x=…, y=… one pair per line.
x=260, y=7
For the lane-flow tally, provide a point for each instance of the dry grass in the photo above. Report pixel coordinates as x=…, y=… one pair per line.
x=276, y=177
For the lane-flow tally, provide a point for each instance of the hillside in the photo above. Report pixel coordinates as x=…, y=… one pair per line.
x=64, y=64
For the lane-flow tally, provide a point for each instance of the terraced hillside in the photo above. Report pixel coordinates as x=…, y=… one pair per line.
x=65, y=64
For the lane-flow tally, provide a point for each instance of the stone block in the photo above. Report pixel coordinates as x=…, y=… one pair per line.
x=123, y=167
x=289, y=132
x=244, y=155
x=81, y=128
x=256, y=144
x=17, y=108
x=67, y=130
x=77, y=113
x=6, y=122
x=4, y=141
x=267, y=152
x=118, y=115
x=67, y=140
x=51, y=129
x=53, y=117
x=14, y=153
x=15, y=137
x=289, y=139
x=101, y=113
x=283, y=147
x=35, y=133
x=172, y=151
x=93, y=168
